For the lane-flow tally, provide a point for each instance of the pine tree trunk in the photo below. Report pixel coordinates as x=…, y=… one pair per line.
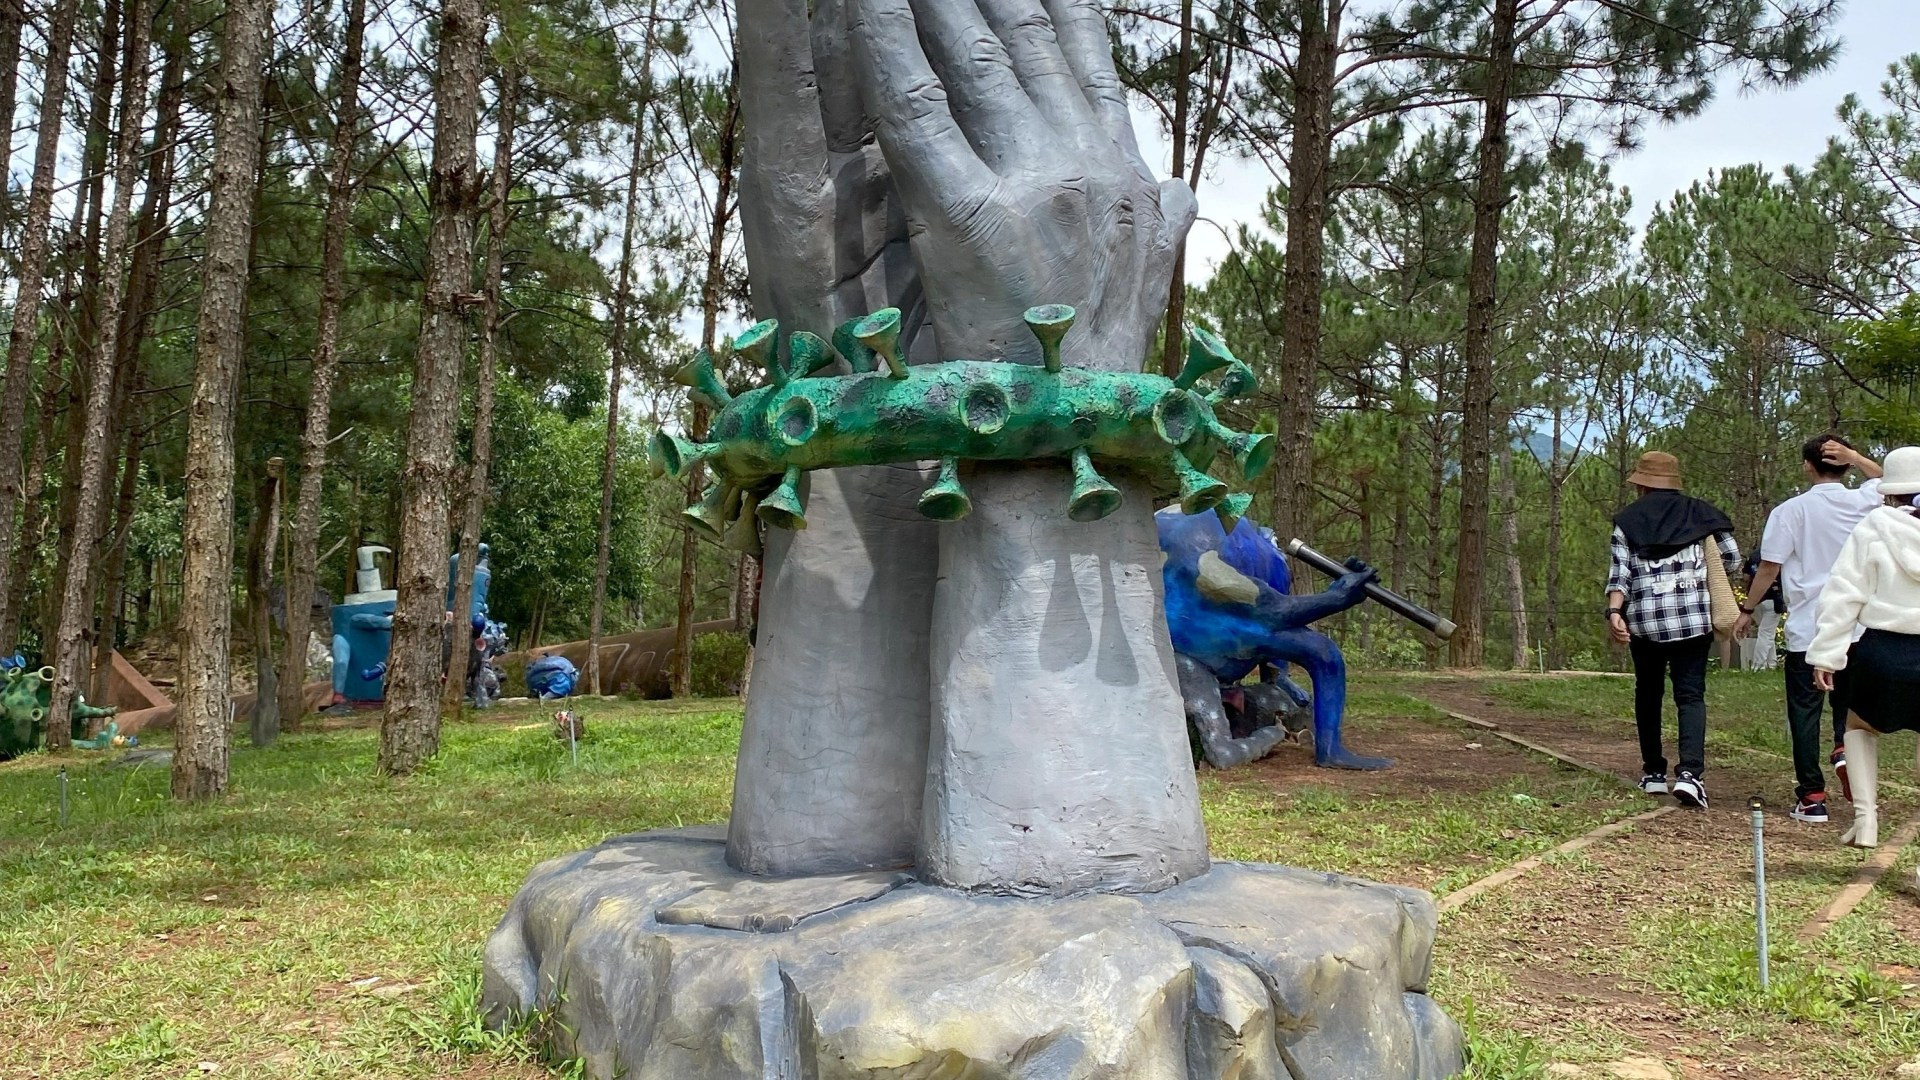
x=498, y=219
x=1170, y=339
x=410, y=729
x=34, y=520
x=616, y=365
x=682, y=681
x=305, y=527
x=113, y=586
x=1477, y=399
x=1403, y=453
x=30, y=270
x=1556, y=485
x=13, y=15
x=202, y=730
x=261, y=537
x=93, y=168
x=1510, y=536
x=1303, y=279
x=72, y=652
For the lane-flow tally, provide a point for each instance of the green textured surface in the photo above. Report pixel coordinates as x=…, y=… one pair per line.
x=1162, y=430
x=23, y=709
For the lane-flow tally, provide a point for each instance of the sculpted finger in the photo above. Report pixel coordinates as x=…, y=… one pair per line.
x=842, y=113
x=985, y=95
x=779, y=96
x=925, y=147
x=1081, y=30
x=1042, y=67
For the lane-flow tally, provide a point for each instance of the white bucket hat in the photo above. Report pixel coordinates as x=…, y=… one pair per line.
x=1902, y=472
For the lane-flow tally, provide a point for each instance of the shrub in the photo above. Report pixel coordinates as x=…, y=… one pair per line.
x=719, y=664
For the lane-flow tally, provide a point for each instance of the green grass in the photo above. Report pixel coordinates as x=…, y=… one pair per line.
x=324, y=922
x=243, y=932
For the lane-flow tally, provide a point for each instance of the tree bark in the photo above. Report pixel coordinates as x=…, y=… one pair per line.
x=1303, y=276
x=1170, y=343
x=13, y=15
x=1477, y=400
x=30, y=269
x=71, y=649
x=616, y=364
x=709, y=320
x=93, y=168
x=1510, y=537
x=410, y=729
x=305, y=527
x=260, y=551
x=113, y=586
x=498, y=219
x=1556, y=488
x=202, y=728
x=33, y=525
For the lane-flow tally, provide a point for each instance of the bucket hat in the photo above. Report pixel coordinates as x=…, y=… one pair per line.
x=1658, y=469
x=1902, y=472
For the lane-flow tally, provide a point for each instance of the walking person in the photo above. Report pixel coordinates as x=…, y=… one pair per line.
x=1658, y=604
x=1803, y=537
x=1875, y=588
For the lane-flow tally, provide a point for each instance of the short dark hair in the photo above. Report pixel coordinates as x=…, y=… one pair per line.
x=1814, y=453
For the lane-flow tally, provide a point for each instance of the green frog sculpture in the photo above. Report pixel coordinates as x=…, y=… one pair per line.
x=761, y=441
x=24, y=702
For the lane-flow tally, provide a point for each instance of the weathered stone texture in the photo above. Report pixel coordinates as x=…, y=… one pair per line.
x=1247, y=972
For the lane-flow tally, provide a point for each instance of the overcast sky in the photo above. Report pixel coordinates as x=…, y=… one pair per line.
x=1772, y=127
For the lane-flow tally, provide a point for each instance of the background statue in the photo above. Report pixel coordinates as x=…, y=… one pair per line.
x=24, y=701
x=1229, y=610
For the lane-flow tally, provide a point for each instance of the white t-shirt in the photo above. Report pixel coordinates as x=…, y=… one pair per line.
x=1804, y=535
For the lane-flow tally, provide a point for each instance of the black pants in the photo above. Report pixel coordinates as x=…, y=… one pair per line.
x=1686, y=662
x=1804, y=705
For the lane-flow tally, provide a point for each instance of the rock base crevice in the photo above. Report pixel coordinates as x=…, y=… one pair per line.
x=658, y=961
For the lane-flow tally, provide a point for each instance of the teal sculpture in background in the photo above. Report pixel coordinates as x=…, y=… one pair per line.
x=24, y=701
x=1163, y=430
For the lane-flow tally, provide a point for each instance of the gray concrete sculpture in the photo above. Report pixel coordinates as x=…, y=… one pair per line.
x=966, y=837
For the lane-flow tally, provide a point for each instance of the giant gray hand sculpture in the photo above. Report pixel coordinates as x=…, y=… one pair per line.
x=1056, y=757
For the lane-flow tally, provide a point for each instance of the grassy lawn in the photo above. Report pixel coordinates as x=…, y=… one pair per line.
x=323, y=922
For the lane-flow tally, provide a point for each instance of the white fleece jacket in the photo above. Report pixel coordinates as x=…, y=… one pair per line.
x=1875, y=584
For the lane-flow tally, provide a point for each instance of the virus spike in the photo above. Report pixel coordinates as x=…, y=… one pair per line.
x=859, y=357
x=744, y=534
x=1049, y=323
x=757, y=343
x=716, y=507
x=1251, y=453
x=806, y=354
x=946, y=500
x=676, y=455
x=1198, y=491
x=1205, y=354
x=1238, y=382
x=783, y=509
x=1093, y=498
x=1232, y=508
x=707, y=389
x=880, y=332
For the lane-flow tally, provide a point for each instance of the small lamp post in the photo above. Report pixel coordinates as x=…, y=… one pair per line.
x=1758, y=807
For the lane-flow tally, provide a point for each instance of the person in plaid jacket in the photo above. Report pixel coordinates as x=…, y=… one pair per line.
x=1659, y=607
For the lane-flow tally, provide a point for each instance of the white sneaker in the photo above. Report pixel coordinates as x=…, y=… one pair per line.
x=1689, y=791
x=1654, y=783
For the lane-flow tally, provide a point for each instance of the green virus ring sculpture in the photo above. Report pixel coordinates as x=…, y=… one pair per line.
x=1162, y=430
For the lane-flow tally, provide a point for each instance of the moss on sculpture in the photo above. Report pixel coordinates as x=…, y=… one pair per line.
x=24, y=702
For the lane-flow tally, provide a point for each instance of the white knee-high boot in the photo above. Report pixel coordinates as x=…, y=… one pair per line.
x=1863, y=773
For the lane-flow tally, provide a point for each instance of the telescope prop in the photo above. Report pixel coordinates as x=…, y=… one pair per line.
x=1439, y=627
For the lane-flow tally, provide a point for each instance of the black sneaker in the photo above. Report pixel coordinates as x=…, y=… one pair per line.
x=1654, y=783
x=1690, y=791
x=1839, y=763
x=1812, y=809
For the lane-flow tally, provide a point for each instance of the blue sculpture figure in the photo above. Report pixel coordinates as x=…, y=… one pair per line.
x=1230, y=611
x=362, y=634
x=363, y=627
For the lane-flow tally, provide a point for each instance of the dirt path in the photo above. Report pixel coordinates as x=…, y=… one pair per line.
x=1635, y=945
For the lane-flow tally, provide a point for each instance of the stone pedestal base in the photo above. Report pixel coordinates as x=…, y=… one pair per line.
x=657, y=961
